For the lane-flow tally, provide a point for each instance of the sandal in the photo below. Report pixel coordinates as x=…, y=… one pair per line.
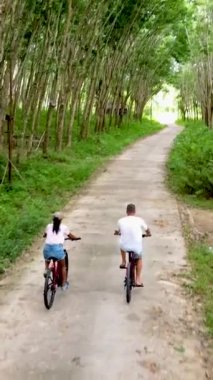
x=122, y=266
x=139, y=285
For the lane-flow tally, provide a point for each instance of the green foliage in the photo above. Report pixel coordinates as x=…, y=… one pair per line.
x=191, y=161
x=201, y=258
x=194, y=79
x=49, y=183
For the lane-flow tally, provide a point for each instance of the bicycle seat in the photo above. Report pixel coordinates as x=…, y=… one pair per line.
x=133, y=255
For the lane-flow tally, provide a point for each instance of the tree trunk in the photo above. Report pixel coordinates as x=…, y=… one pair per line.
x=84, y=128
x=73, y=109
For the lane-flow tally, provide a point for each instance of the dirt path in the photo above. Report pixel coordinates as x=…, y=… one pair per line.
x=203, y=220
x=91, y=333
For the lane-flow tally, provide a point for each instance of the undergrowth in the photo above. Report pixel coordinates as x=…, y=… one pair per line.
x=190, y=173
x=190, y=165
x=201, y=258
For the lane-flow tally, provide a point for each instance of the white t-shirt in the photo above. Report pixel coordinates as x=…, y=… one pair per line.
x=131, y=228
x=53, y=238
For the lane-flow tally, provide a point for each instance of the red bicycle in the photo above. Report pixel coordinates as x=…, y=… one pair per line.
x=53, y=279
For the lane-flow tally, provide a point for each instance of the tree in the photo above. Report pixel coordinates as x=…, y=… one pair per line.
x=85, y=62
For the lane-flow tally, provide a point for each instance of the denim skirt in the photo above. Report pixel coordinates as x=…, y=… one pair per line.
x=54, y=250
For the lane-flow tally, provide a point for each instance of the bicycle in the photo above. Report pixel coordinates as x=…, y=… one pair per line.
x=53, y=279
x=129, y=281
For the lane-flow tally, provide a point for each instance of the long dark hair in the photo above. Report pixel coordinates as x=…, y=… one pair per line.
x=56, y=224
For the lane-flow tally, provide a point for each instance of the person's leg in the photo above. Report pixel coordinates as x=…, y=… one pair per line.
x=139, y=266
x=66, y=265
x=123, y=259
x=46, y=268
x=63, y=272
x=47, y=262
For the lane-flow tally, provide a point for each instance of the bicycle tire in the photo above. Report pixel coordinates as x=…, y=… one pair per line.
x=66, y=260
x=128, y=283
x=49, y=291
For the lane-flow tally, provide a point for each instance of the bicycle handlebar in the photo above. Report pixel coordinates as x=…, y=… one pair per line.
x=79, y=238
x=143, y=235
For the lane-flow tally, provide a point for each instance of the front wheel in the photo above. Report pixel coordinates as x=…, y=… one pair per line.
x=66, y=261
x=49, y=290
x=128, y=283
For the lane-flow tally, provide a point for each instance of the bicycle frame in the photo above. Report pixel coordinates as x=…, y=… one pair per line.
x=53, y=280
x=54, y=267
x=132, y=261
x=130, y=275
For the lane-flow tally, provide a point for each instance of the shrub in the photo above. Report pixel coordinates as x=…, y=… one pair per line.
x=191, y=161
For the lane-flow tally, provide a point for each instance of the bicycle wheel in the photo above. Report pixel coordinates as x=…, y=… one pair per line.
x=128, y=283
x=49, y=290
x=66, y=260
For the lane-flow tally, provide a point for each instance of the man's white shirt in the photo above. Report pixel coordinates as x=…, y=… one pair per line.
x=131, y=228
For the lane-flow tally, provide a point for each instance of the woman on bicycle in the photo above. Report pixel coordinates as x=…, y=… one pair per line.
x=55, y=234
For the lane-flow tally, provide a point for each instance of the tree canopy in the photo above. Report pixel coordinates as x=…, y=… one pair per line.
x=69, y=66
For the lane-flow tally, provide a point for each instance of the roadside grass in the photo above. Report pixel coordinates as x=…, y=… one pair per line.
x=47, y=184
x=190, y=176
x=196, y=199
x=190, y=165
x=201, y=259
x=197, y=202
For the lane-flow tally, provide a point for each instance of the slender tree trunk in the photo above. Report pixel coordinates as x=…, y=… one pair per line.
x=52, y=104
x=84, y=128
x=73, y=110
x=10, y=118
x=36, y=114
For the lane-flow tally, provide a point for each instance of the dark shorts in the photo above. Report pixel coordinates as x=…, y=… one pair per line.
x=135, y=256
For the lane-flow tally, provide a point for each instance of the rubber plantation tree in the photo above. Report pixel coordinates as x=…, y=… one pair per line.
x=80, y=64
x=204, y=60
x=147, y=22
x=194, y=80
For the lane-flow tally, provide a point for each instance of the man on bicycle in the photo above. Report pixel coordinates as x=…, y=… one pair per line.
x=130, y=229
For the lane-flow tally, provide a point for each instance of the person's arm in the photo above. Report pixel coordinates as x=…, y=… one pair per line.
x=73, y=237
x=145, y=228
x=148, y=232
x=117, y=231
x=69, y=235
x=45, y=233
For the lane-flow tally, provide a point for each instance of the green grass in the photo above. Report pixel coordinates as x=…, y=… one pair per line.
x=47, y=184
x=190, y=165
x=180, y=122
x=201, y=258
x=198, y=202
x=190, y=174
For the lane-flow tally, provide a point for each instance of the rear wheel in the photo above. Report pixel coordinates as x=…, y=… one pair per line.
x=49, y=290
x=128, y=284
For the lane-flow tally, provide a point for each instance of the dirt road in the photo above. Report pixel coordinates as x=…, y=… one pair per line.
x=91, y=333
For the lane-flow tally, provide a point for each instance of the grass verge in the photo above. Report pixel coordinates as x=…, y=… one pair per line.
x=190, y=165
x=201, y=259
x=47, y=184
x=190, y=176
